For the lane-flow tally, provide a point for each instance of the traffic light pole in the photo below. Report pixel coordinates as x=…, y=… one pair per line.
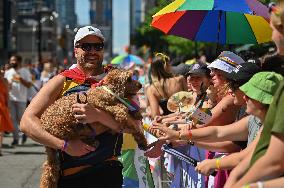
x=39, y=36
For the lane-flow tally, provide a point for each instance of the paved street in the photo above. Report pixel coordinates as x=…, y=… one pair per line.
x=20, y=167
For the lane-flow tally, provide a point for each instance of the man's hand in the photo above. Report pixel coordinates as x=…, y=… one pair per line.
x=78, y=148
x=85, y=113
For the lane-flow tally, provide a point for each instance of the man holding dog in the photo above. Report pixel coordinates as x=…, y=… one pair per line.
x=81, y=164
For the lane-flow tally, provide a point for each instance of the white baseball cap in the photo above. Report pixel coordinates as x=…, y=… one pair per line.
x=227, y=61
x=88, y=30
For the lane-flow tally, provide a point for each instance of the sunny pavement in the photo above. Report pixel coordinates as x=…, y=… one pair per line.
x=20, y=167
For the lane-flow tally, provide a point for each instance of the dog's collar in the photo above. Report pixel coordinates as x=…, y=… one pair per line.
x=130, y=107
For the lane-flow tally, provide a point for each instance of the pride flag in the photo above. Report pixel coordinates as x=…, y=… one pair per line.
x=136, y=169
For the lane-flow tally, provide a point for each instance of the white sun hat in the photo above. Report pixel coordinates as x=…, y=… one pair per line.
x=227, y=61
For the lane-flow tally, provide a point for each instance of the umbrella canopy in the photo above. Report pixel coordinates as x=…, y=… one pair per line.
x=221, y=21
x=127, y=59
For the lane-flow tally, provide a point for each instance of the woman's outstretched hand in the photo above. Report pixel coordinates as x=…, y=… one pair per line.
x=163, y=132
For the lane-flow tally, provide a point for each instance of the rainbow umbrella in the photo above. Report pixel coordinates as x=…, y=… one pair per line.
x=220, y=21
x=127, y=59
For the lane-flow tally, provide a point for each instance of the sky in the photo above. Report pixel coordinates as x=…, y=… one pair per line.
x=120, y=21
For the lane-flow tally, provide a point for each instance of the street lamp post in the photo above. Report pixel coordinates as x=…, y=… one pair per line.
x=38, y=18
x=39, y=36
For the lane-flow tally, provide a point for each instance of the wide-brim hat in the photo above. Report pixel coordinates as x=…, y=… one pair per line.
x=227, y=61
x=262, y=86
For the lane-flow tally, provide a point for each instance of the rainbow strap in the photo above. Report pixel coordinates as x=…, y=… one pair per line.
x=132, y=104
x=126, y=102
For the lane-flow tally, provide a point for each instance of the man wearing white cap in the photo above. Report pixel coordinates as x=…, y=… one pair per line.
x=81, y=164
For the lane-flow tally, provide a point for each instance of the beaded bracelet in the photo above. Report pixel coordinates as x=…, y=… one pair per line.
x=64, y=146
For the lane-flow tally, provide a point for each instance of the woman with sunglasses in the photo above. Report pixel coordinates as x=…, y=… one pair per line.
x=237, y=131
x=267, y=160
x=225, y=112
x=257, y=107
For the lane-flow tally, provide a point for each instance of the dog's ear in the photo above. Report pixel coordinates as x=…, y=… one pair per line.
x=116, y=80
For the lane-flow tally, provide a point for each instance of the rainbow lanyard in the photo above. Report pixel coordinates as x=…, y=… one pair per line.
x=126, y=102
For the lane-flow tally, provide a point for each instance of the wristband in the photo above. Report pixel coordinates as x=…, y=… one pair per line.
x=218, y=163
x=64, y=146
x=260, y=184
x=246, y=186
x=189, y=134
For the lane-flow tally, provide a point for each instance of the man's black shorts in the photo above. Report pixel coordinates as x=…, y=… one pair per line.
x=106, y=175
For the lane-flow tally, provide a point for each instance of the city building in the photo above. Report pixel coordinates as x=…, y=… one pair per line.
x=66, y=13
x=35, y=30
x=1, y=31
x=101, y=17
x=7, y=19
x=67, y=23
x=138, y=11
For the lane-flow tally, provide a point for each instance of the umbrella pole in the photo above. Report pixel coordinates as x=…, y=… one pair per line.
x=218, y=34
x=196, y=49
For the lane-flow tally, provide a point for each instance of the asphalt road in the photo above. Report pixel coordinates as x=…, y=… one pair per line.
x=20, y=167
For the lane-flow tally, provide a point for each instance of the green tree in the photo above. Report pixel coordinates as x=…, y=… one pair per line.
x=159, y=42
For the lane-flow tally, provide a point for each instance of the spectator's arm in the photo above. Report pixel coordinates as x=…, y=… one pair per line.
x=226, y=146
x=25, y=82
x=237, y=131
x=224, y=112
x=270, y=165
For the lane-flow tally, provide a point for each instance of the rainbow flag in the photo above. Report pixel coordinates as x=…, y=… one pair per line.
x=136, y=169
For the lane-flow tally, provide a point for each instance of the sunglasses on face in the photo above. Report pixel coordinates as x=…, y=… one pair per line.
x=87, y=47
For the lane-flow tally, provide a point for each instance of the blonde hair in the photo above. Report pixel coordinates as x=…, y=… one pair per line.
x=222, y=91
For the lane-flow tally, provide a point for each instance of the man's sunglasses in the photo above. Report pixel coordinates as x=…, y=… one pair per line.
x=89, y=46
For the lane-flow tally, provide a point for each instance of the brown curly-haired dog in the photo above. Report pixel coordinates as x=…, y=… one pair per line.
x=59, y=120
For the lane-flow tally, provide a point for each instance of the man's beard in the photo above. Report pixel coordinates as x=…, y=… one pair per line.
x=85, y=65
